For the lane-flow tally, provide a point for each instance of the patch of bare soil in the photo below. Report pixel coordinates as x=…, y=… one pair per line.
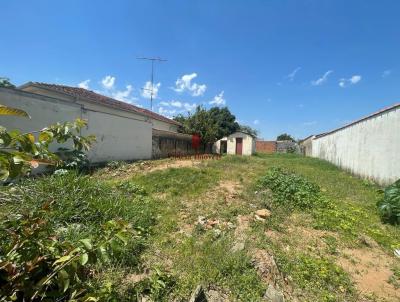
x=174, y=164
x=127, y=170
x=370, y=270
x=301, y=238
x=229, y=189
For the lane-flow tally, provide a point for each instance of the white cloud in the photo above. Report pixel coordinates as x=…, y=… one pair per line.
x=218, y=99
x=108, y=82
x=350, y=81
x=256, y=122
x=124, y=95
x=292, y=75
x=322, y=79
x=84, y=84
x=176, y=104
x=147, y=89
x=386, y=73
x=189, y=107
x=167, y=112
x=178, y=107
x=185, y=83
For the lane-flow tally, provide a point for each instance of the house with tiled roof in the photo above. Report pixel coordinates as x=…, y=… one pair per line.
x=123, y=131
x=77, y=94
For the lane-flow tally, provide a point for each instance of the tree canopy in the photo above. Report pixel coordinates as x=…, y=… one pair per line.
x=285, y=137
x=249, y=130
x=211, y=125
x=5, y=82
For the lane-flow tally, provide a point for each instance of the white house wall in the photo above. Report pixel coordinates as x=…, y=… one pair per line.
x=160, y=125
x=119, y=137
x=369, y=148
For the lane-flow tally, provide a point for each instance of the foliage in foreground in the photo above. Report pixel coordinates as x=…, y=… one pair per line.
x=62, y=230
x=36, y=263
x=292, y=190
x=389, y=206
x=20, y=152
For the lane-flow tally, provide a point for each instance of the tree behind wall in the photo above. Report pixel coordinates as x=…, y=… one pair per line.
x=5, y=82
x=211, y=124
x=248, y=130
x=285, y=137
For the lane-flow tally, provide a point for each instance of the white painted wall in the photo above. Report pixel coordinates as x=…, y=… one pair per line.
x=369, y=148
x=249, y=144
x=160, y=125
x=119, y=136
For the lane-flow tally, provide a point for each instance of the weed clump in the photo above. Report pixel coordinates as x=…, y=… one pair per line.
x=389, y=206
x=292, y=190
x=317, y=275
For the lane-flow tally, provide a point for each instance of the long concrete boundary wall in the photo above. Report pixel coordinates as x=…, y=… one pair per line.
x=369, y=148
x=119, y=137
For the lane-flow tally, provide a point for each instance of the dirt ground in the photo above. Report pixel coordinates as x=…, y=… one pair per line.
x=369, y=268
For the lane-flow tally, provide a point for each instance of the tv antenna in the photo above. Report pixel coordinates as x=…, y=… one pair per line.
x=153, y=59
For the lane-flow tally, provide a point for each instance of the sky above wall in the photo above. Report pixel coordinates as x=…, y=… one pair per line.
x=302, y=67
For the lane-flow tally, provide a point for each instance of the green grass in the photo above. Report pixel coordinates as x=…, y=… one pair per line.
x=353, y=210
x=161, y=203
x=178, y=181
x=79, y=206
x=319, y=277
x=210, y=261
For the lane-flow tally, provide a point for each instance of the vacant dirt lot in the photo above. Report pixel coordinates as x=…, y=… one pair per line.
x=211, y=232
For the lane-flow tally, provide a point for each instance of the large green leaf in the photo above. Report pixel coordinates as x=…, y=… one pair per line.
x=5, y=110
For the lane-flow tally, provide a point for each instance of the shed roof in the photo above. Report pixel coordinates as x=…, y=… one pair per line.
x=77, y=92
x=244, y=132
x=395, y=106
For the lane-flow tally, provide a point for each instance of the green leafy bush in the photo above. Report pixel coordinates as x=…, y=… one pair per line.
x=389, y=206
x=72, y=159
x=156, y=286
x=38, y=264
x=20, y=152
x=83, y=210
x=292, y=190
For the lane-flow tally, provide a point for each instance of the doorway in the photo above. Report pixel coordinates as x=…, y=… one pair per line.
x=239, y=145
x=224, y=147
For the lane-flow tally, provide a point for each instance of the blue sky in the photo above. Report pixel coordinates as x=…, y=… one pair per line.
x=301, y=67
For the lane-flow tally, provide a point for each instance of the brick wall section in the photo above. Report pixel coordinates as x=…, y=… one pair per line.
x=266, y=146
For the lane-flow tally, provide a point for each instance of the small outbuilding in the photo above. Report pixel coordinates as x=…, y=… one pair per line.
x=239, y=143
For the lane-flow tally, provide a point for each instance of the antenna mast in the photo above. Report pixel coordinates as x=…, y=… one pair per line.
x=152, y=76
